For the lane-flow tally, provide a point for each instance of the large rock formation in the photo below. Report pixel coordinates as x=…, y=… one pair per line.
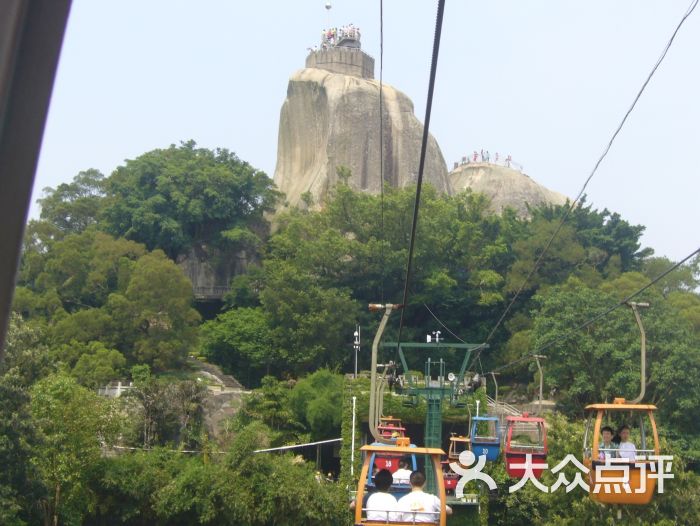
x=505, y=187
x=329, y=120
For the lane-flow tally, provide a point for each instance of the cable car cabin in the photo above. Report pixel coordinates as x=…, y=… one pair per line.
x=390, y=427
x=390, y=458
x=450, y=477
x=485, y=437
x=524, y=435
x=365, y=488
x=457, y=445
x=629, y=479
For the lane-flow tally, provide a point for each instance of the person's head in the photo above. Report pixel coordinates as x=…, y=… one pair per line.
x=404, y=463
x=607, y=433
x=417, y=479
x=624, y=433
x=383, y=480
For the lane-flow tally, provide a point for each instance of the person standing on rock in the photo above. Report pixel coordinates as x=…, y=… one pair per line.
x=496, y=159
x=475, y=155
x=482, y=155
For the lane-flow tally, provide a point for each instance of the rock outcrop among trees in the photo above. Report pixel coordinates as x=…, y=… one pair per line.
x=331, y=121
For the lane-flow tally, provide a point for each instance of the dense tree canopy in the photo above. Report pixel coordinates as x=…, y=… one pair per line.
x=100, y=297
x=176, y=197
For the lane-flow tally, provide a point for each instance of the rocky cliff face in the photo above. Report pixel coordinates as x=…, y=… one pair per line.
x=505, y=187
x=210, y=270
x=330, y=120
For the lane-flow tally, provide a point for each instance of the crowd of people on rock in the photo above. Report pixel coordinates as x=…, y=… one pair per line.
x=333, y=36
x=485, y=157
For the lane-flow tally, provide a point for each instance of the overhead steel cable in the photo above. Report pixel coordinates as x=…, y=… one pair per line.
x=421, y=164
x=621, y=302
x=442, y=324
x=601, y=315
x=573, y=204
x=381, y=143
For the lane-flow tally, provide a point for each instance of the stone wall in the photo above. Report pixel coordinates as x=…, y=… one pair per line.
x=211, y=271
x=343, y=60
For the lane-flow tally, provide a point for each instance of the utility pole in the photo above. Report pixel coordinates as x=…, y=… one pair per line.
x=356, y=344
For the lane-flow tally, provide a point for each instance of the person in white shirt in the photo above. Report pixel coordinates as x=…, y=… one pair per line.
x=626, y=449
x=403, y=474
x=419, y=506
x=381, y=505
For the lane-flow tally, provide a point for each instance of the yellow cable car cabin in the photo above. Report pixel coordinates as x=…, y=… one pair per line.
x=432, y=455
x=611, y=486
x=458, y=444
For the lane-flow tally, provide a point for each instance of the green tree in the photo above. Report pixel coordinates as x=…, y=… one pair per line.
x=684, y=279
x=73, y=207
x=603, y=361
x=71, y=421
x=270, y=404
x=240, y=340
x=317, y=401
x=98, y=365
x=180, y=196
x=153, y=315
x=167, y=411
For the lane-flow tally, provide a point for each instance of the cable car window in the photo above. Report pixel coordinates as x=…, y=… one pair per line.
x=486, y=430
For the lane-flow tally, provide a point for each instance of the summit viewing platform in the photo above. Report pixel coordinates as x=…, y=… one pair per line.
x=340, y=52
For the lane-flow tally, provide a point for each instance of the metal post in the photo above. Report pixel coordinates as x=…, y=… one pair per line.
x=495, y=400
x=539, y=368
x=352, y=439
x=356, y=345
x=375, y=401
x=642, y=389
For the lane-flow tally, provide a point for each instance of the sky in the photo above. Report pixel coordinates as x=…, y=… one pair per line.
x=544, y=81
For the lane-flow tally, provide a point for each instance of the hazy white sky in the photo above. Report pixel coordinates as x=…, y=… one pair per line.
x=546, y=81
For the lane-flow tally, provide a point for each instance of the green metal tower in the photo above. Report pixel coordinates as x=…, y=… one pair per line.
x=434, y=389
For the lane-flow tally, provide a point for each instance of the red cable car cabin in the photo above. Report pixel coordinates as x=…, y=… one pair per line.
x=449, y=477
x=390, y=427
x=525, y=435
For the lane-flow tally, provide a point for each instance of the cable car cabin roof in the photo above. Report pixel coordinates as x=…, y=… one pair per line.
x=534, y=419
x=403, y=449
x=619, y=404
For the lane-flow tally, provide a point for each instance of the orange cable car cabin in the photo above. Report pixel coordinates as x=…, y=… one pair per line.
x=608, y=485
x=432, y=455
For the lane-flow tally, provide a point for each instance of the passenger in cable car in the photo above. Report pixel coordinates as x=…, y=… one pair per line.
x=626, y=449
x=419, y=506
x=382, y=505
x=403, y=474
x=608, y=447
